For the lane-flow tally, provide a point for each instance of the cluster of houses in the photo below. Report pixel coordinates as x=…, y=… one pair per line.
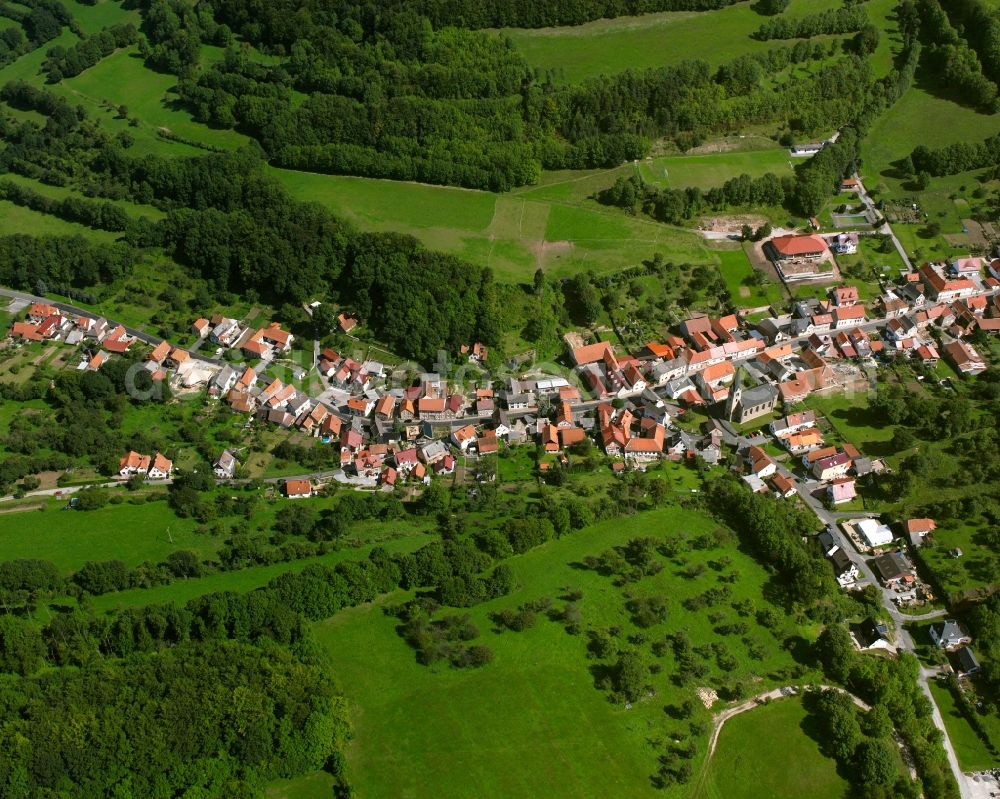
x=264, y=343
x=950, y=637
x=43, y=322
x=625, y=402
x=891, y=566
x=155, y=467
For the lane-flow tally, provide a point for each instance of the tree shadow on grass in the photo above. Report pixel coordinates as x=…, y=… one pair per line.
x=879, y=449
x=800, y=650
x=857, y=417
x=812, y=728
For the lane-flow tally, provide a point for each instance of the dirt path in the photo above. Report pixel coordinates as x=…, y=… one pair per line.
x=719, y=720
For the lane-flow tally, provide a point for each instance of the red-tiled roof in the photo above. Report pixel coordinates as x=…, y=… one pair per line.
x=790, y=246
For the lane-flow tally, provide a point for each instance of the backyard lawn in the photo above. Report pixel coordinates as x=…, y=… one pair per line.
x=742, y=281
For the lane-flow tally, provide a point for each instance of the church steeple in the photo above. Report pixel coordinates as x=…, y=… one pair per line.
x=735, y=394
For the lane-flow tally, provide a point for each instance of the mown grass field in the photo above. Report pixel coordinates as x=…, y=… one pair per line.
x=126, y=532
x=607, y=46
x=766, y=752
x=714, y=169
x=739, y=274
x=554, y=226
x=532, y=722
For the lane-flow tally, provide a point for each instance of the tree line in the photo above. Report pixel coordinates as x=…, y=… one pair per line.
x=92, y=213
x=773, y=532
x=42, y=22
x=806, y=192
x=951, y=159
x=526, y=14
x=676, y=206
x=980, y=24
x=848, y=19
x=66, y=62
x=949, y=53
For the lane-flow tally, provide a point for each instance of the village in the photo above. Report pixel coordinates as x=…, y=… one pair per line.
x=728, y=368
x=745, y=380
x=734, y=370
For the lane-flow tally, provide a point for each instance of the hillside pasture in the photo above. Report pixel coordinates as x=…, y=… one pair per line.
x=553, y=226
x=130, y=533
x=608, y=46
x=123, y=79
x=480, y=729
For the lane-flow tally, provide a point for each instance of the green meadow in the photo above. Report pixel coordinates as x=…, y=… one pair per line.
x=575, y=53
x=740, y=277
x=102, y=14
x=17, y=219
x=766, y=752
x=714, y=169
x=554, y=226
x=921, y=117
x=123, y=79
x=126, y=532
x=531, y=723
x=970, y=750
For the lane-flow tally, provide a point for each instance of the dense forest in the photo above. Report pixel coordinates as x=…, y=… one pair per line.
x=394, y=93
x=950, y=55
x=215, y=719
x=235, y=227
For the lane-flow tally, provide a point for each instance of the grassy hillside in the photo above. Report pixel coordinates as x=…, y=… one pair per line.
x=131, y=533
x=531, y=722
x=606, y=46
x=553, y=226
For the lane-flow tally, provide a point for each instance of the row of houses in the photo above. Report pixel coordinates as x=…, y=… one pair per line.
x=155, y=467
